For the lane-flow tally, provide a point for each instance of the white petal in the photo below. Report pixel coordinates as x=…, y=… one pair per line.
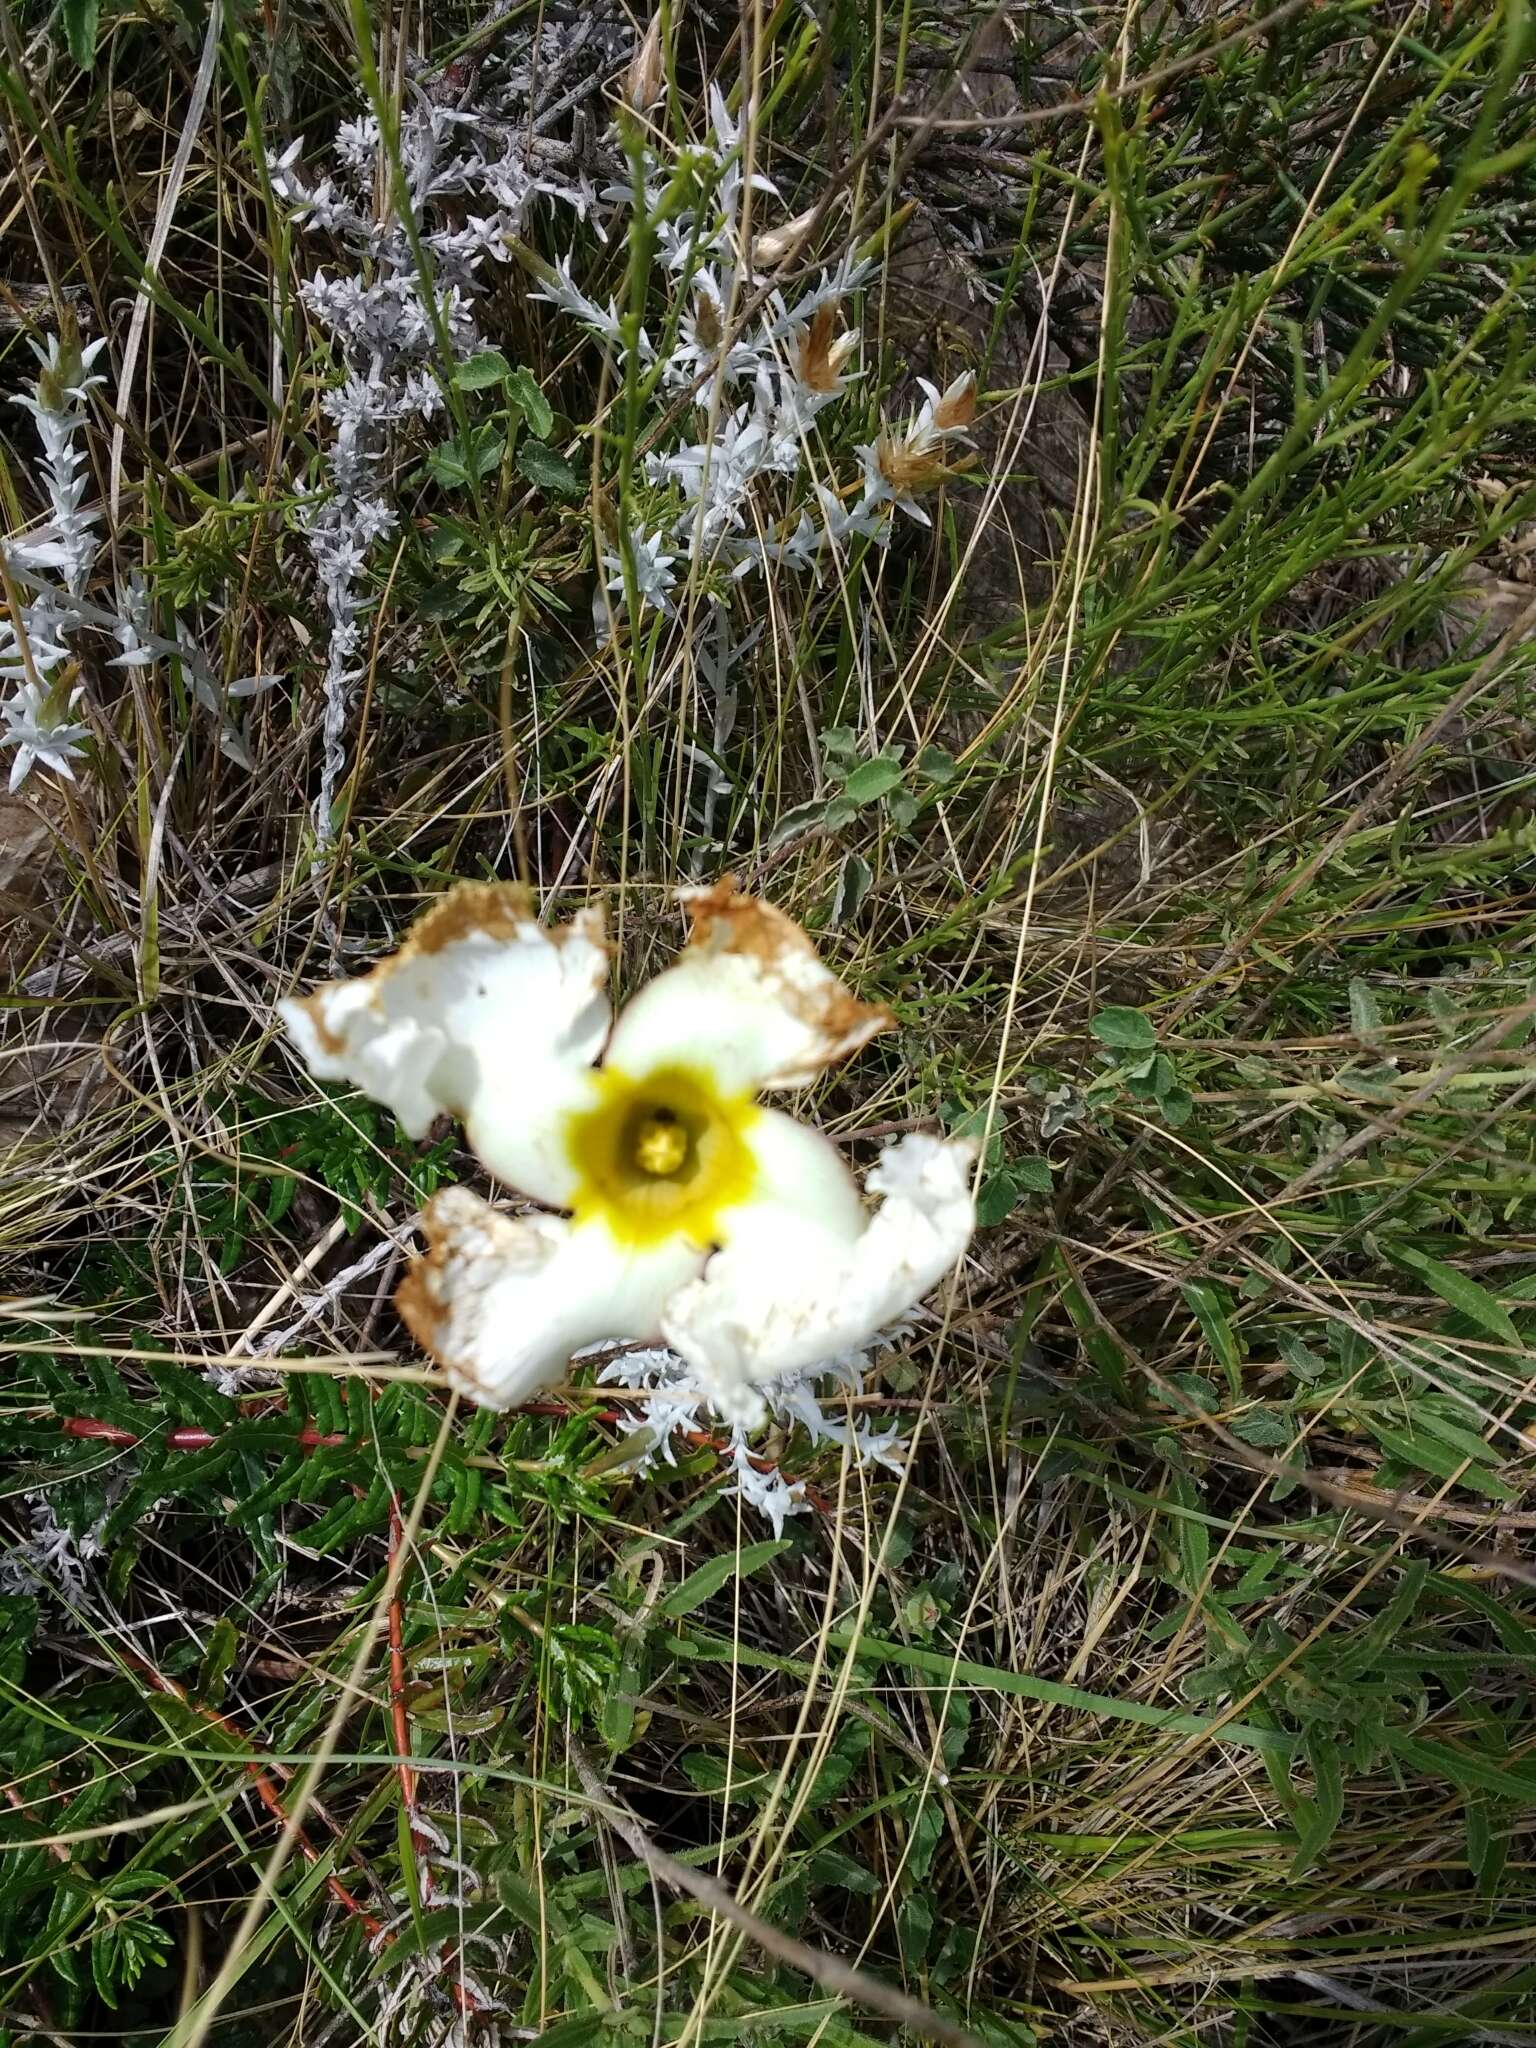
x=484, y=1013
x=501, y=1302
x=804, y=1194
x=748, y=1001
x=776, y=1300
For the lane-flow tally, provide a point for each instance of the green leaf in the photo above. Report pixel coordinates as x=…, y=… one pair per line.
x=1267, y=1429
x=1149, y=1075
x=1471, y=1771
x=719, y=1571
x=1428, y=1454
x=1001, y=2033
x=530, y=401
x=800, y=819
x=831, y=1867
x=1210, y=1309
x=1487, y=1846
x=1194, y=1537
x=1303, y=1362
x=1464, y=1294
x=617, y=1719
x=579, y=2032
x=1032, y=1175
x=551, y=472
x=914, y=1929
x=1316, y=1818
x=1364, y=1010
x=708, y=1772
x=82, y=18
x=453, y=466
x=223, y=1643
x=1124, y=1030
x=1459, y=1435
x=955, y=1671
x=1096, y=1338
x=937, y=765
x=1198, y=1389
x=854, y=881
x=872, y=780
x=1177, y=1106
x=488, y=367
x=998, y=1197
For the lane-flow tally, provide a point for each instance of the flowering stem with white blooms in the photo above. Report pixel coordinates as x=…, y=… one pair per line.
x=401, y=308
x=35, y=636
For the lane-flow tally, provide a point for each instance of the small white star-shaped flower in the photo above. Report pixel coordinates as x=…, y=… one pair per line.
x=41, y=730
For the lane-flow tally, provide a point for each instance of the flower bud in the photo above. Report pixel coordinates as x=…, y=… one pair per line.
x=775, y=244
x=643, y=80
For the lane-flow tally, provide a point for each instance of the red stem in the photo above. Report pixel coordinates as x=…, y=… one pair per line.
x=184, y=1438
x=187, y=1438
x=399, y=1718
x=266, y=1790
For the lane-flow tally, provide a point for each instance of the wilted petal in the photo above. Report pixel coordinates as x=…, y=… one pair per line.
x=782, y=1296
x=484, y=1013
x=748, y=1001
x=501, y=1302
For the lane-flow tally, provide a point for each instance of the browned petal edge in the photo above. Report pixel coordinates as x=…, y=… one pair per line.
x=313, y=1005
x=909, y=466
x=820, y=358
x=420, y=1302
x=724, y=920
x=957, y=407
x=493, y=910
x=417, y=1296
x=498, y=910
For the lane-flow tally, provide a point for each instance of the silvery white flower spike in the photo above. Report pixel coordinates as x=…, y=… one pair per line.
x=693, y=1213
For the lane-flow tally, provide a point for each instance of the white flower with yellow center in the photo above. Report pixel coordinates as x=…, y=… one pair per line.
x=693, y=1214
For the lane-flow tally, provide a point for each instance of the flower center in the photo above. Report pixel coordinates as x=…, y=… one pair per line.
x=660, y=1156
x=660, y=1143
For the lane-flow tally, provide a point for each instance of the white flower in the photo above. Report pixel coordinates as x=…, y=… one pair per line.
x=817, y=368
x=653, y=571
x=38, y=726
x=562, y=290
x=943, y=415
x=764, y=1487
x=833, y=285
x=694, y=1215
x=46, y=624
x=57, y=405
x=878, y=487
x=896, y=465
x=135, y=624
x=357, y=142
x=52, y=1562
x=283, y=170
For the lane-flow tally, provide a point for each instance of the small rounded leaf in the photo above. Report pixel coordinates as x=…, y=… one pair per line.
x=1124, y=1030
x=872, y=780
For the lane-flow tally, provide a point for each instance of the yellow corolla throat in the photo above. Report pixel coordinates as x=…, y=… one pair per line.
x=661, y=1156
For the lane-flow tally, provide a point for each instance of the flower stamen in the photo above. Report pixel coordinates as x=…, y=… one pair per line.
x=660, y=1144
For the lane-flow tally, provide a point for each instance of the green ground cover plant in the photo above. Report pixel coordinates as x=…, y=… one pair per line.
x=1046, y=496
